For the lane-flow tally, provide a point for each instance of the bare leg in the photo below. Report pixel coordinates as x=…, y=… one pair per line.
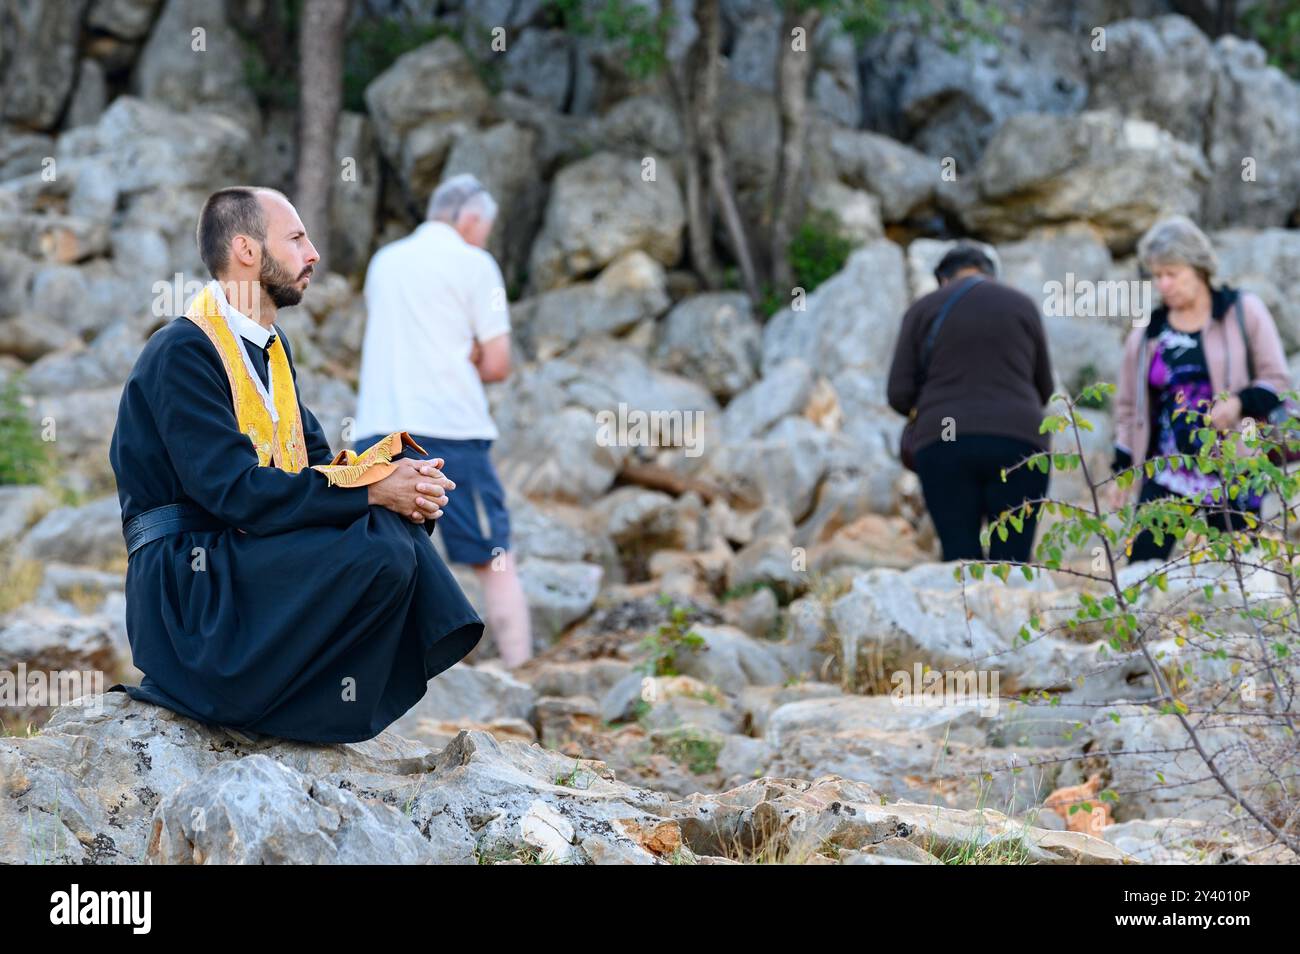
x=507, y=609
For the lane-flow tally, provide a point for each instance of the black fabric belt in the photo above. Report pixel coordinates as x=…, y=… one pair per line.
x=160, y=521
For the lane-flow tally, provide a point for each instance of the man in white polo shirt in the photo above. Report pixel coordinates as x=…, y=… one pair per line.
x=437, y=328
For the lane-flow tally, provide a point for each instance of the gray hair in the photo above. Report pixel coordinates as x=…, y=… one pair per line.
x=458, y=194
x=1177, y=241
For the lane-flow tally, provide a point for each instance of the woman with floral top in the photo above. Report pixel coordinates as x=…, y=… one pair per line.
x=1192, y=351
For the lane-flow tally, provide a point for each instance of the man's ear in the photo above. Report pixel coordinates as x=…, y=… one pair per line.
x=243, y=250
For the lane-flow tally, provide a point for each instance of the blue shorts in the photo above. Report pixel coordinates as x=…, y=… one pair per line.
x=475, y=525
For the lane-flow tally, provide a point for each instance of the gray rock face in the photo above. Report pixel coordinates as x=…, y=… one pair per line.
x=1155, y=747
x=127, y=19
x=911, y=619
x=32, y=336
x=88, y=534
x=42, y=67
x=354, y=198
x=847, y=318
x=86, y=788
x=780, y=469
x=21, y=153
x=470, y=694
x=1120, y=175
x=1218, y=95
x=631, y=515
x=767, y=560
x=712, y=338
x=503, y=158
x=258, y=811
x=902, y=178
x=1261, y=180
x=538, y=65
x=89, y=96
x=1267, y=263
x=948, y=104
x=554, y=533
x=20, y=507
x=601, y=207
x=629, y=290
x=572, y=454
x=1154, y=70
x=732, y=660
x=1085, y=347
x=78, y=653
x=419, y=105
x=643, y=124
x=558, y=594
x=856, y=213
x=783, y=817
x=150, y=146
x=182, y=69
x=784, y=390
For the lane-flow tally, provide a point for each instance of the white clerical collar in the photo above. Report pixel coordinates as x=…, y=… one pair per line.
x=239, y=323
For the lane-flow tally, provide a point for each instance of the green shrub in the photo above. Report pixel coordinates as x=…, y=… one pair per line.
x=24, y=457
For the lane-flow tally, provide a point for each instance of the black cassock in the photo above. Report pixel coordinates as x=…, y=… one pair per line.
x=323, y=621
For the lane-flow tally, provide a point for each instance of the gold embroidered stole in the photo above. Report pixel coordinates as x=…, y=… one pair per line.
x=350, y=469
x=277, y=444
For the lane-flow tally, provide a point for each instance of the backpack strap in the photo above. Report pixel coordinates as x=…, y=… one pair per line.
x=931, y=335
x=1239, y=310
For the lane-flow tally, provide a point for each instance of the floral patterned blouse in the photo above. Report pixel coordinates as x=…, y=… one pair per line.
x=1180, y=383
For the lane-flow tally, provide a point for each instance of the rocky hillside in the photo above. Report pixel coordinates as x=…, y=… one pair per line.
x=716, y=619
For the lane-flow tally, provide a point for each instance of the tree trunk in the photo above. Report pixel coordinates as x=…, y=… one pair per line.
x=699, y=221
x=709, y=17
x=320, y=97
x=794, y=67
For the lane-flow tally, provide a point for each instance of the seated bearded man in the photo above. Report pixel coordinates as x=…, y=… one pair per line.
x=271, y=587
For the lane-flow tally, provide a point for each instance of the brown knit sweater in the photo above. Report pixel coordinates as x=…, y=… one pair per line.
x=989, y=371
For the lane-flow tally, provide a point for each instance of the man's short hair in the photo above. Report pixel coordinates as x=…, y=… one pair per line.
x=226, y=213
x=458, y=194
x=964, y=255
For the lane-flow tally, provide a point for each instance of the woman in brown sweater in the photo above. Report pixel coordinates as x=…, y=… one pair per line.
x=978, y=390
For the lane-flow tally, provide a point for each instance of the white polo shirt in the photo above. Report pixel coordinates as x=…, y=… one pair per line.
x=429, y=296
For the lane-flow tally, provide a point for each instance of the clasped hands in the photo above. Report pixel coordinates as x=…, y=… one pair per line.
x=416, y=489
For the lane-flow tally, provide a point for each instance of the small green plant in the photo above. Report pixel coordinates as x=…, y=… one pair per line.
x=1275, y=25
x=408, y=809
x=576, y=775
x=1236, y=625
x=24, y=457
x=50, y=845
x=688, y=746
x=818, y=250
x=681, y=856
x=639, y=33
x=997, y=851
x=741, y=590
x=671, y=638
x=503, y=852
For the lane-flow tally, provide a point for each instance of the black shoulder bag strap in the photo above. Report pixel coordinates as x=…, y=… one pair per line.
x=1239, y=311
x=927, y=347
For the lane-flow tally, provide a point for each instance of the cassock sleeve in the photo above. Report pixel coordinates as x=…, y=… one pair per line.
x=217, y=465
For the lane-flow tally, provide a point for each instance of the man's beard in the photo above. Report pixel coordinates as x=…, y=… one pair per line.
x=278, y=282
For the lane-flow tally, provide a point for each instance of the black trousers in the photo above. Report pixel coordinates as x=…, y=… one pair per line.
x=963, y=488
x=1144, y=545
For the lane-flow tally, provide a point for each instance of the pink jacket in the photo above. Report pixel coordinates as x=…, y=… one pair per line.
x=1225, y=353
